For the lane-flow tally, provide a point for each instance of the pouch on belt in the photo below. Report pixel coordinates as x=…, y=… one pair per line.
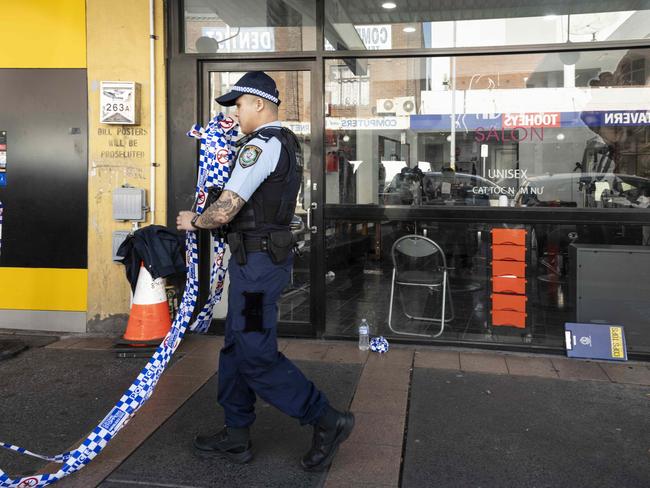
x=279, y=245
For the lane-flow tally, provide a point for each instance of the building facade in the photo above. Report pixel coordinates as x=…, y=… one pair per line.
x=515, y=135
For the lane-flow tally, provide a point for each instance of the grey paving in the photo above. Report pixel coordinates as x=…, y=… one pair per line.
x=166, y=458
x=497, y=431
x=12, y=344
x=50, y=398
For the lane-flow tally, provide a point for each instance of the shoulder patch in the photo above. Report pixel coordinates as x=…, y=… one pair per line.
x=249, y=155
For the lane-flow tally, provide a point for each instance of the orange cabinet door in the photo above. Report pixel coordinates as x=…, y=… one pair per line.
x=506, y=252
x=509, y=319
x=515, y=237
x=509, y=285
x=514, y=303
x=509, y=268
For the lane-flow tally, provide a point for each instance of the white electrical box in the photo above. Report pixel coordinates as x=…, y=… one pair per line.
x=129, y=204
x=119, y=102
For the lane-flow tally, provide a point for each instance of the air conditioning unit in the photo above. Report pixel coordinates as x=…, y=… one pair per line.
x=405, y=106
x=385, y=106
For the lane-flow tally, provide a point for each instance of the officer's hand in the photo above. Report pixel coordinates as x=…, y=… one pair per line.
x=184, y=220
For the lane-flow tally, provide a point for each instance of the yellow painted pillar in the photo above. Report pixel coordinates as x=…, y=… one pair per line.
x=118, y=50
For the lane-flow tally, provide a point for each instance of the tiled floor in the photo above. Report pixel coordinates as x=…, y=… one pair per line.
x=381, y=397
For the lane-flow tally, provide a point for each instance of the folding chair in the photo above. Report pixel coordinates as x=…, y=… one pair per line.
x=419, y=262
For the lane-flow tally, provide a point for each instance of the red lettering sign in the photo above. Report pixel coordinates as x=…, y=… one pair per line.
x=535, y=119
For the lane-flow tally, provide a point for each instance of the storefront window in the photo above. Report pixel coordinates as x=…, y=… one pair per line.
x=556, y=273
x=567, y=129
x=407, y=24
x=218, y=26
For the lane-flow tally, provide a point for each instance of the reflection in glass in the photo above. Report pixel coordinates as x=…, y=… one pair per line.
x=517, y=130
x=294, y=112
x=414, y=24
x=562, y=280
x=229, y=26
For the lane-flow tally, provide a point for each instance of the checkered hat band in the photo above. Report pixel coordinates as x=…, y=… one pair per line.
x=255, y=91
x=214, y=170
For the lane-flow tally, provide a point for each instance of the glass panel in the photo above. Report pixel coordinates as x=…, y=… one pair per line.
x=553, y=129
x=560, y=273
x=294, y=113
x=240, y=26
x=370, y=25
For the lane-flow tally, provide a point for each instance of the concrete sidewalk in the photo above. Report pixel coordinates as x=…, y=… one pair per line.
x=425, y=417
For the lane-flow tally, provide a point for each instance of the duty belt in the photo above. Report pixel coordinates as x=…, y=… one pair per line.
x=254, y=244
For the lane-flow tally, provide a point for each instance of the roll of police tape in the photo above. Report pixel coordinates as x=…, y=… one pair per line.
x=379, y=344
x=217, y=152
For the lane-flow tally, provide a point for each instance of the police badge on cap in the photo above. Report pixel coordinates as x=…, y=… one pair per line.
x=255, y=83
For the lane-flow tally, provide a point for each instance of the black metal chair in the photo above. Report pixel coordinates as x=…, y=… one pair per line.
x=420, y=262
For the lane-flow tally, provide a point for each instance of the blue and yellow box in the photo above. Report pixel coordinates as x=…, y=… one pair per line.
x=595, y=341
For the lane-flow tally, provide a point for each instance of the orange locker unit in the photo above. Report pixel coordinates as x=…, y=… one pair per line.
x=509, y=277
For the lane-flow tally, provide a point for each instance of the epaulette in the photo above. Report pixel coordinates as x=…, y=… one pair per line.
x=257, y=134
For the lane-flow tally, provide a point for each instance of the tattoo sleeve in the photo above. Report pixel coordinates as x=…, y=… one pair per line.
x=222, y=211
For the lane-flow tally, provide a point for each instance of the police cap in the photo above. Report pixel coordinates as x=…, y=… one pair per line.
x=255, y=83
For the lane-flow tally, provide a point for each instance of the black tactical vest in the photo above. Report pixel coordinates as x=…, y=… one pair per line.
x=272, y=205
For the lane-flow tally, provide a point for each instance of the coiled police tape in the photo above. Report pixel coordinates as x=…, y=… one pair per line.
x=217, y=151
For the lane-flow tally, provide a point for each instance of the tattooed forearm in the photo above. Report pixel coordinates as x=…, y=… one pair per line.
x=222, y=211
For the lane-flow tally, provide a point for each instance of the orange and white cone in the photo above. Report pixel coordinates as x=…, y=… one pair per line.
x=149, y=320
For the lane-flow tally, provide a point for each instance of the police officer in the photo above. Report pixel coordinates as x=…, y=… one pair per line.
x=259, y=201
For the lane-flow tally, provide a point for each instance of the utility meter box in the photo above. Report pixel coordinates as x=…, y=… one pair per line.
x=119, y=102
x=129, y=204
x=119, y=236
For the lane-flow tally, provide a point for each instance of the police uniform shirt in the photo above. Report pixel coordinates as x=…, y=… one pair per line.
x=255, y=162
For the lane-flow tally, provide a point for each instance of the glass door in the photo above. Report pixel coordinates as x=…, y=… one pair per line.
x=294, y=83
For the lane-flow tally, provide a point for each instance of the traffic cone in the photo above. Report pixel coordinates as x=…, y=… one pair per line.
x=149, y=320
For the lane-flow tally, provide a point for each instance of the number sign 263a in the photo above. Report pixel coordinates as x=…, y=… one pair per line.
x=119, y=102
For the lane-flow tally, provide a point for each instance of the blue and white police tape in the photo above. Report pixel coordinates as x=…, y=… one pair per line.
x=379, y=344
x=216, y=153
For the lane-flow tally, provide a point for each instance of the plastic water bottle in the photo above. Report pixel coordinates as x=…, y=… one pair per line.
x=364, y=335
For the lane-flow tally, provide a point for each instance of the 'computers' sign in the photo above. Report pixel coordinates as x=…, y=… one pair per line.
x=375, y=36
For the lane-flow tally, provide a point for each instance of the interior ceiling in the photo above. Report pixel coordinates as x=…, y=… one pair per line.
x=255, y=13
x=371, y=11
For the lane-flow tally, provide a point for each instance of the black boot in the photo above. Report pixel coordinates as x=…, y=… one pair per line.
x=231, y=443
x=330, y=431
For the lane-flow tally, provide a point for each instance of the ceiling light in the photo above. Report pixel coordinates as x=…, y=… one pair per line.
x=389, y=5
x=560, y=137
x=409, y=29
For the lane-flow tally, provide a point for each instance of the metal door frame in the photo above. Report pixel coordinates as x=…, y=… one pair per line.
x=316, y=325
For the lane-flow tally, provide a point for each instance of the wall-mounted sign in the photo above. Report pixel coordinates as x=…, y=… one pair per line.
x=3, y=158
x=119, y=103
x=370, y=123
x=242, y=39
x=375, y=36
x=298, y=128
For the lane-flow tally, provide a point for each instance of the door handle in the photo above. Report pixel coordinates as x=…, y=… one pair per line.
x=312, y=228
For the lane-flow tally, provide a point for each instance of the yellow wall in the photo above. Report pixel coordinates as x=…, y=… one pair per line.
x=118, y=50
x=43, y=33
x=43, y=289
